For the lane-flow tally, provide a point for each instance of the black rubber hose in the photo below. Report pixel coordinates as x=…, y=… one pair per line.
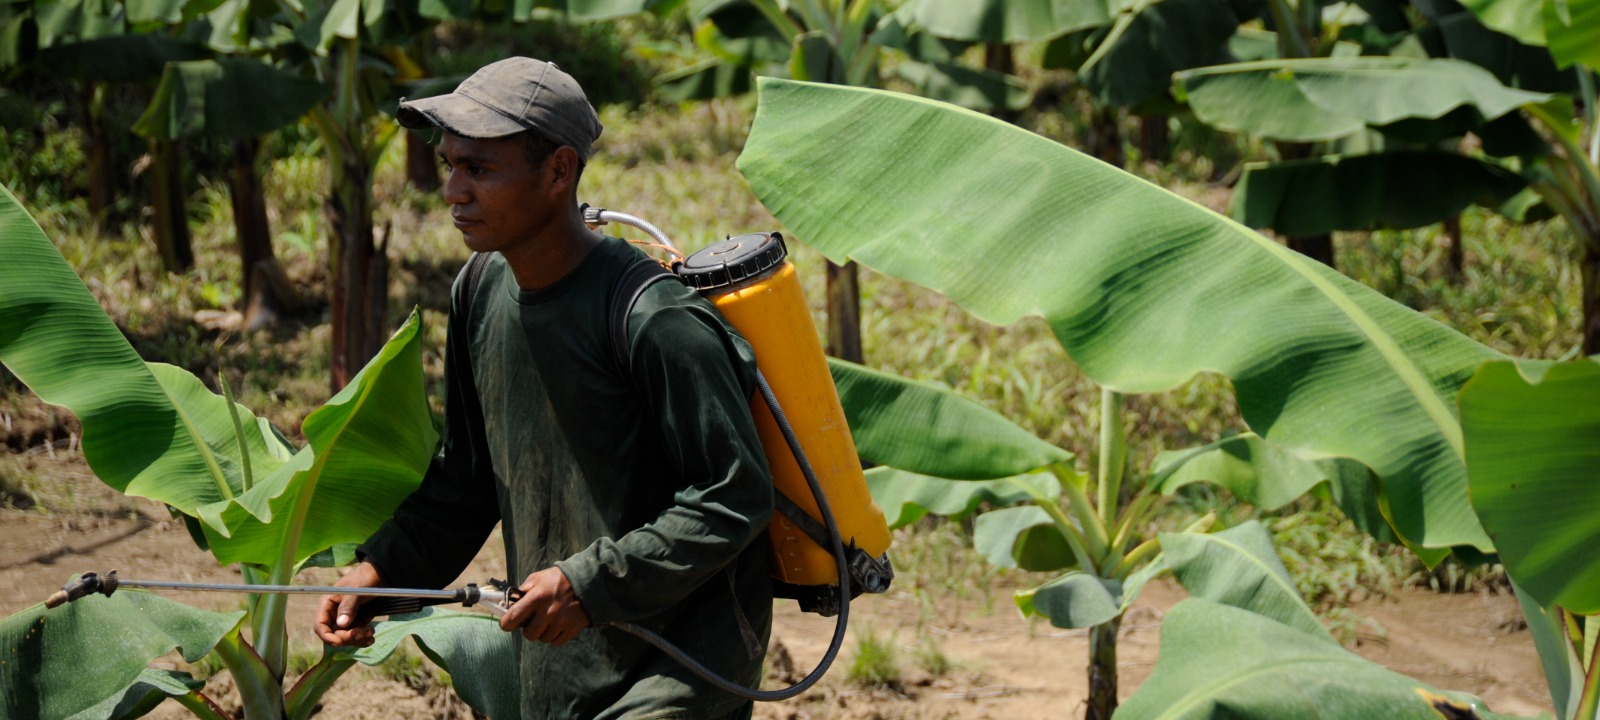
x=725, y=684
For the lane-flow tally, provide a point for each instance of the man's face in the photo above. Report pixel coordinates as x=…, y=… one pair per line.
x=498, y=200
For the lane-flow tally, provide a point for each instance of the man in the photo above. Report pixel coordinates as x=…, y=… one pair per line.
x=635, y=494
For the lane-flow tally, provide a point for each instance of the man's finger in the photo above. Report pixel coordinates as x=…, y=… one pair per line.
x=347, y=609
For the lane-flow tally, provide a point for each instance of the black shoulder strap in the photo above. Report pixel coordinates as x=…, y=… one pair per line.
x=475, y=265
x=634, y=281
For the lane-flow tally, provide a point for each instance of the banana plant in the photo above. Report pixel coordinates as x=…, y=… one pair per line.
x=1505, y=48
x=1534, y=468
x=156, y=431
x=1144, y=290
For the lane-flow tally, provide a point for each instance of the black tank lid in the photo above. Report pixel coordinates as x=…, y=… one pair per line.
x=733, y=261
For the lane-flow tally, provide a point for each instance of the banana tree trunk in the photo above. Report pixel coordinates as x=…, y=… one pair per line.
x=358, y=262
x=844, y=312
x=1455, y=254
x=1105, y=136
x=171, y=217
x=998, y=56
x=101, y=189
x=422, y=168
x=267, y=290
x=1154, y=138
x=1103, y=670
x=361, y=273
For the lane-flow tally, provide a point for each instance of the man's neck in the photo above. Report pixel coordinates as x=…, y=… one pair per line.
x=556, y=252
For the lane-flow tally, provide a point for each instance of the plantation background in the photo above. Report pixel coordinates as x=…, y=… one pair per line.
x=946, y=641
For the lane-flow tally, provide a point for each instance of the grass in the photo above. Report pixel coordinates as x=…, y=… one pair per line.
x=876, y=662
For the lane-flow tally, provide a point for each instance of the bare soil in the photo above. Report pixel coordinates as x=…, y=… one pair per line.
x=1003, y=666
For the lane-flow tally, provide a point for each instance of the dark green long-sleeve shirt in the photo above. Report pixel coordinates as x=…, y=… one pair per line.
x=648, y=487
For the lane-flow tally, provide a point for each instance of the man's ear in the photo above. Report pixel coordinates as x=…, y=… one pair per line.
x=564, y=168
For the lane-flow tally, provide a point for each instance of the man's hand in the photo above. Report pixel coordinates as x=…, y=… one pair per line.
x=336, y=614
x=549, y=610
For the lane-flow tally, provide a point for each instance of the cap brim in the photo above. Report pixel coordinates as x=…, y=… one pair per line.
x=458, y=115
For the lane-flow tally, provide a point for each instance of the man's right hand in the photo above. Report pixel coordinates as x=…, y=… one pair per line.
x=336, y=614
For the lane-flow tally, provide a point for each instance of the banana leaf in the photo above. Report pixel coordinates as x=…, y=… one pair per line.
x=1533, y=456
x=120, y=58
x=908, y=497
x=367, y=450
x=1219, y=661
x=471, y=646
x=1398, y=190
x=61, y=662
x=980, y=90
x=148, y=430
x=1239, y=567
x=1569, y=28
x=226, y=98
x=150, y=689
x=1009, y=21
x=930, y=430
x=1325, y=98
x=1144, y=289
x=1022, y=537
x=1163, y=38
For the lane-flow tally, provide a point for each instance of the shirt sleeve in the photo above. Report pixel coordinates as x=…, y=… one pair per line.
x=696, y=378
x=437, y=531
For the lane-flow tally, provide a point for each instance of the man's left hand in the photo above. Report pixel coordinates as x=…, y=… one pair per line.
x=549, y=610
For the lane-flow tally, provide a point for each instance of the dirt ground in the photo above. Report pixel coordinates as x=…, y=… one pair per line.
x=1003, y=666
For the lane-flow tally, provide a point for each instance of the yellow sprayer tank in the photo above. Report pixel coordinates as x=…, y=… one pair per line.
x=752, y=283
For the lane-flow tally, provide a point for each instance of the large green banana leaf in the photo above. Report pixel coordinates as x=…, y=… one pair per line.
x=1078, y=599
x=368, y=448
x=148, y=430
x=1325, y=98
x=1266, y=476
x=1010, y=21
x=1022, y=537
x=470, y=646
x=58, y=663
x=1533, y=457
x=226, y=98
x=1239, y=567
x=1143, y=288
x=907, y=497
x=1135, y=70
x=150, y=689
x=1570, y=28
x=1367, y=192
x=1219, y=661
x=931, y=430
x=119, y=58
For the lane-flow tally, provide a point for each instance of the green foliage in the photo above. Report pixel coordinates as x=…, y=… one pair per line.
x=1144, y=292
x=876, y=663
x=1535, y=474
x=1332, y=563
x=58, y=662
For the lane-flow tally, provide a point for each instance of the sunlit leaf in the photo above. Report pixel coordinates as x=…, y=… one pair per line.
x=1144, y=289
x=1533, y=457
x=931, y=430
x=907, y=497
x=65, y=661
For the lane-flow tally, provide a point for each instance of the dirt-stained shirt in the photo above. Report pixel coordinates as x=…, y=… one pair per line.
x=646, y=485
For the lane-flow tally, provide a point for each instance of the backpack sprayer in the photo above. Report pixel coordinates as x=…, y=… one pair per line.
x=819, y=558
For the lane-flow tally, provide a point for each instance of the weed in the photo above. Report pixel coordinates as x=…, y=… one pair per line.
x=414, y=671
x=931, y=658
x=875, y=663
x=301, y=658
x=17, y=483
x=1334, y=564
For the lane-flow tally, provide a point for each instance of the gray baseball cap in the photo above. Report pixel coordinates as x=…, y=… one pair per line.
x=507, y=97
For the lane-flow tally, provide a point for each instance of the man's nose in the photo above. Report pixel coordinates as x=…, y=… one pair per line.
x=455, y=192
